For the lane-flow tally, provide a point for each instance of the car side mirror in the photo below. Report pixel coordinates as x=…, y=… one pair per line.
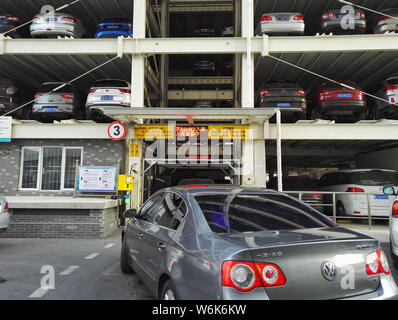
x=131, y=213
x=389, y=190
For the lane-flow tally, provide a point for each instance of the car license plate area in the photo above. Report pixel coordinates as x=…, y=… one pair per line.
x=113, y=27
x=284, y=104
x=106, y=98
x=51, y=19
x=344, y=95
x=282, y=19
x=50, y=109
x=381, y=197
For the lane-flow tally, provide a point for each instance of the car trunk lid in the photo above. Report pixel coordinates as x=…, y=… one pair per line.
x=301, y=254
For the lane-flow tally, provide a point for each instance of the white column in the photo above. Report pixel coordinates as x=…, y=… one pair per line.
x=138, y=61
x=247, y=58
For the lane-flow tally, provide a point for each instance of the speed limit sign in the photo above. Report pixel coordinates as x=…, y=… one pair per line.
x=116, y=131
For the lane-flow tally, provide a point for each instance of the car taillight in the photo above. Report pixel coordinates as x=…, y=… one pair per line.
x=383, y=18
x=196, y=30
x=395, y=209
x=353, y=189
x=302, y=92
x=391, y=88
x=245, y=276
x=37, y=96
x=212, y=30
x=68, y=19
x=125, y=90
x=298, y=18
x=92, y=90
x=264, y=92
x=376, y=263
x=266, y=18
x=360, y=14
x=13, y=19
x=327, y=15
x=130, y=25
x=5, y=207
x=68, y=96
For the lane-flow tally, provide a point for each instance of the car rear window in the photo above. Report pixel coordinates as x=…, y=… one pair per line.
x=374, y=178
x=332, y=85
x=392, y=82
x=281, y=85
x=111, y=83
x=258, y=212
x=48, y=87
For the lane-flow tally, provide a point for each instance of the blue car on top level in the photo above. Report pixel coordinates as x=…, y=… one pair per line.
x=112, y=27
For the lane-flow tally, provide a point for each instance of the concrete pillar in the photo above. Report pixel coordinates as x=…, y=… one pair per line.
x=247, y=89
x=164, y=60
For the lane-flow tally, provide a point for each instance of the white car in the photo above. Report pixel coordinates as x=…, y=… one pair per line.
x=227, y=32
x=393, y=225
x=56, y=24
x=4, y=215
x=356, y=182
x=282, y=23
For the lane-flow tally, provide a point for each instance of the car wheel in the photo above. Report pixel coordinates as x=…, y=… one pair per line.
x=360, y=116
x=314, y=115
x=340, y=209
x=374, y=113
x=168, y=291
x=124, y=264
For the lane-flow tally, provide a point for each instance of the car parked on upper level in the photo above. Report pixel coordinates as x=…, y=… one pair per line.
x=54, y=24
x=108, y=92
x=343, y=22
x=204, y=68
x=281, y=23
x=388, y=107
x=113, y=27
x=386, y=23
x=227, y=68
x=204, y=104
x=4, y=214
x=11, y=98
x=8, y=22
x=62, y=104
x=393, y=222
x=331, y=100
x=204, y=32
x=245, y=243
x=283, y=95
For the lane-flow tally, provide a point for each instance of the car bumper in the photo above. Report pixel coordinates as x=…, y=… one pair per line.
x=113, y=34
x=342, y=107
x=336, y=26
x=282, y=28
x=66, y=30
x=4, y=221
x=386, y=27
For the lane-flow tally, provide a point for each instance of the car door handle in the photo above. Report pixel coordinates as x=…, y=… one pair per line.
x=161, y=245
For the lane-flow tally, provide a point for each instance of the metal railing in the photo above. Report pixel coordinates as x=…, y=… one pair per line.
x=333, y=203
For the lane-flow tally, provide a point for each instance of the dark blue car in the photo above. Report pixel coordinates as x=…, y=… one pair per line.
x=113, y=27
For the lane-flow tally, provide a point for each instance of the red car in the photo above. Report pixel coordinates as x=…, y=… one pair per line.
x=332, y=101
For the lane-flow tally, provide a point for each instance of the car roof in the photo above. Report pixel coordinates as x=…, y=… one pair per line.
x=362, y=170
x=197, y=189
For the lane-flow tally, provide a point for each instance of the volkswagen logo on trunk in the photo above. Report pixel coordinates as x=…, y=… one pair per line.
x=329, y=270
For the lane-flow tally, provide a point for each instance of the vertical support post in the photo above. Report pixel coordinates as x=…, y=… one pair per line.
x=247, y=59
x=138, y=61
x=135, y=168
x=164, y=59
x=279, y=150
x=237, y=57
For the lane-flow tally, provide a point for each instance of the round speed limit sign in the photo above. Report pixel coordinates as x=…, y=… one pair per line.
x=116, y=131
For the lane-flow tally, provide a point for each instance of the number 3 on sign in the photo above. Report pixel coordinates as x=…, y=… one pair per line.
x=116, y=131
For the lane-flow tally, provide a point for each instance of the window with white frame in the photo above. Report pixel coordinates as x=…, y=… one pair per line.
x=49, y=168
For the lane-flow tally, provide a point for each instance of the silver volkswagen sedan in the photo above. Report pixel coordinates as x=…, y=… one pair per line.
x=283, y=23
x=389, y=190
x=4, y=214
x=231, y=242
x=56, y=24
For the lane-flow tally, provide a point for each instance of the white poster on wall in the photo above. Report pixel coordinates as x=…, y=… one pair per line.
x=5, y=129
x=97, y=179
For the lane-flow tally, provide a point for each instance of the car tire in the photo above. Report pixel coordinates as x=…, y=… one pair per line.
x=374, y=113
x=314, y=115
x=124, y=263
x=340, y=211
x=169, y=291
x=360, y=116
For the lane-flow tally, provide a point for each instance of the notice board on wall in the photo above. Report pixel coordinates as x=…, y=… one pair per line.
x=96, y=180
